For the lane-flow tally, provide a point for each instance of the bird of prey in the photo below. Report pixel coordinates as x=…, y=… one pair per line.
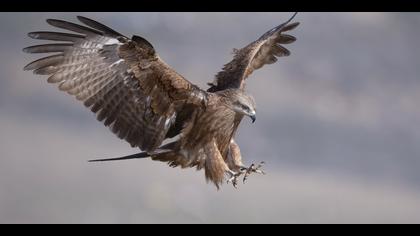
x=146, y=102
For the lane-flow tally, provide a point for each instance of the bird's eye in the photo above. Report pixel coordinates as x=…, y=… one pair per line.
x=246, y=108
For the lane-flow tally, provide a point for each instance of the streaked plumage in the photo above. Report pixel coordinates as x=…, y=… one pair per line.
x=144, y=101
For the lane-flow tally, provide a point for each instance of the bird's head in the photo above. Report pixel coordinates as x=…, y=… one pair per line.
x=241, y=102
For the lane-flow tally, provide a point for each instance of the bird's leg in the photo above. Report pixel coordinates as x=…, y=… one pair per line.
x=234, y=177
x=252, y=169
x=236, y=168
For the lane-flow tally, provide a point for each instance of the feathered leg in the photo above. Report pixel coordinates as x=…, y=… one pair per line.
x=208, y=158
x=234, y=158
x=214, y=165
x=234, y=161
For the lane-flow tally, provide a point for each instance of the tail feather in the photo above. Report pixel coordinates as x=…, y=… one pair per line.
x=133, y=156
x=167, y=148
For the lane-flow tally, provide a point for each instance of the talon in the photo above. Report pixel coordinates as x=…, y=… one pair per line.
x=254, y=169
x=233, y=178
x=246, y=171
x=258, y=168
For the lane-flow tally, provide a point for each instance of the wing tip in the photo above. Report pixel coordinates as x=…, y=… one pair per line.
x=82, y=18
x=287, y=26
x=290, y=26
x=25, y=68
x=291, y=18
x=295, y=23
x=85, y=20
x=30, y=66
x=32, y=35
x=53, y=21
x=26, y=50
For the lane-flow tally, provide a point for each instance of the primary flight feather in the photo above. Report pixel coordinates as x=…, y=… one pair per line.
x=144, y=101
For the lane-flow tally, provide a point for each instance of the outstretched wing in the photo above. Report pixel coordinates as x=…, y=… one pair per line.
x=264, y=50
x=122, y=80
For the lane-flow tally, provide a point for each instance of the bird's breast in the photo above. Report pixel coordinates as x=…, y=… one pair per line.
x=217, y=123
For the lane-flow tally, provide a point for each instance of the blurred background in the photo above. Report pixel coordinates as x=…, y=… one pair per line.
x=338, y=126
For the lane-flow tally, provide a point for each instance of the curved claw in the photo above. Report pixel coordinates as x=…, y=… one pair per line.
x=233, y=178
x=246, y=171
x=254, y=169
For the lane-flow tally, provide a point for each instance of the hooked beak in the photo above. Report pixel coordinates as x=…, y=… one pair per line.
x=253, y=117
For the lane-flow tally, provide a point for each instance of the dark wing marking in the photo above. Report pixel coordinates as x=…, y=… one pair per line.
x=122, y=80
x=264, y=50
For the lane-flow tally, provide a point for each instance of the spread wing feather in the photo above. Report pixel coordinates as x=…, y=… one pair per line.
x=264, y=50
x=120, y=79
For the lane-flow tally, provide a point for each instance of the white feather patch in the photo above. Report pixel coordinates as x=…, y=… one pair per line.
x=112, y=41
x=117, y=62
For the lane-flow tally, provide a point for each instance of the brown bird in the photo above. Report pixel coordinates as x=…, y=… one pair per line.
x=144, y=101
